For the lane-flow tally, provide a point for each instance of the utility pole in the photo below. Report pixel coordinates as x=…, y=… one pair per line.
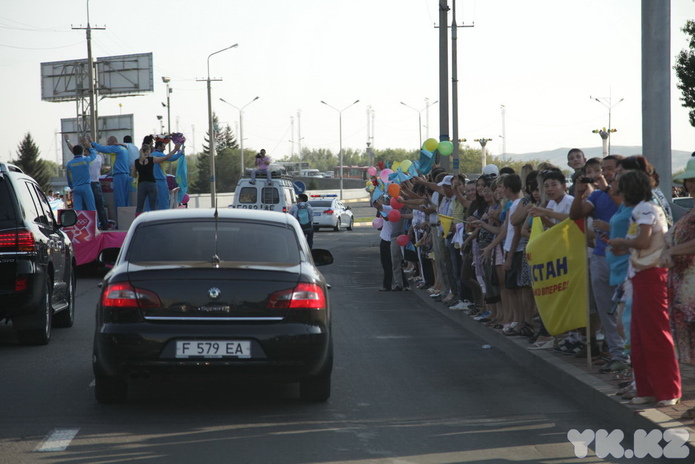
x=454, y=88
x=92, y=86
x=443, y=78
x=504, y=130
x=299, y=137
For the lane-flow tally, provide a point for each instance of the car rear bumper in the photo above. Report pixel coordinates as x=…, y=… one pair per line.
x=281, y=352
x=21, y=302
x=325, y=221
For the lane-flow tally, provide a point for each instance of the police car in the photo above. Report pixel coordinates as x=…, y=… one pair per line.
x=329, y=211
x=279, y=195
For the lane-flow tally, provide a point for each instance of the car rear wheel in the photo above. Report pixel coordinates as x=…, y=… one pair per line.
x=337, y=225
x=318, y=388
x=43, y=319
x=352, y=224
x=110, y=390
x=66, y=317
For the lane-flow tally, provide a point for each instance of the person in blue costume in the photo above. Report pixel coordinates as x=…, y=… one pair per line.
x=121, y=170
x=160, y=175
x=77, y=170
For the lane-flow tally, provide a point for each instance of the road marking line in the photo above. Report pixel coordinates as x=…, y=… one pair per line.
x=57, y=440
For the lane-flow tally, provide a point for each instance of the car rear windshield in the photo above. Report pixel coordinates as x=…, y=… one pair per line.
x=8, y=218
x=321, y=203
x=195, y=241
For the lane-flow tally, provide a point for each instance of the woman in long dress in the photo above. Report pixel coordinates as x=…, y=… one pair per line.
x=679, y=257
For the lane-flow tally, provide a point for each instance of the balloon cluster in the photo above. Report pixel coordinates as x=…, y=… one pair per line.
x=386, y=179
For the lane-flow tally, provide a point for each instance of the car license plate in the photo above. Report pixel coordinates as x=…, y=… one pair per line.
x=317, y=214
x=213, y=349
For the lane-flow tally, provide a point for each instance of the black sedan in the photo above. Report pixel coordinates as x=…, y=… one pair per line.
x=232, y=292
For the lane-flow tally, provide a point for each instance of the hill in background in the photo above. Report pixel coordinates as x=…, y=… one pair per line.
x=558, y=157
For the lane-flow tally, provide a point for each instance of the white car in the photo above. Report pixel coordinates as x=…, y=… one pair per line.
x=329, y=211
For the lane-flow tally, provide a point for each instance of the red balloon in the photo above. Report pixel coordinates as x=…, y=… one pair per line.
x=395, y=204
x=394, y=215
x=402, y=240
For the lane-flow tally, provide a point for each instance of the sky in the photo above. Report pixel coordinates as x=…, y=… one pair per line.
x=540, y=59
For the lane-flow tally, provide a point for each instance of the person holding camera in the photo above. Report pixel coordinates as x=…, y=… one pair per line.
x=601, y=204
x=262, y=163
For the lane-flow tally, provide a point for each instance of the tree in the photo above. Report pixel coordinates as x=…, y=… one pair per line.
x=224, y=138
x=31, y=164
x=685, y=72
x=202, y=167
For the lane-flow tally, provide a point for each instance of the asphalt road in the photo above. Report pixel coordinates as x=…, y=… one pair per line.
x=409, y=386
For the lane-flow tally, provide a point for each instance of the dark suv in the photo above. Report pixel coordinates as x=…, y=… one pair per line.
x=37, y=263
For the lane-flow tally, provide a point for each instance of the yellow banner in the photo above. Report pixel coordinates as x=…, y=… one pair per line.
x=557, y=258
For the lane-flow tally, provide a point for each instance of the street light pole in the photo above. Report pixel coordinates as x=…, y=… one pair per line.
x=340, y=132
x=419, y=116
x=241, y=128
x=483, y=143
x=211, y=131
x=607, y=103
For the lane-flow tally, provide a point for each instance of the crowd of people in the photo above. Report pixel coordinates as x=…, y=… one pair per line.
x=142, y=164
x=466, y=246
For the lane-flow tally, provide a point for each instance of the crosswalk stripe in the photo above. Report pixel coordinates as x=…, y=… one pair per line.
x=57, y=440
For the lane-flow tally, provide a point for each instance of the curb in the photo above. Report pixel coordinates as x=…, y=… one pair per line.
x=586, y=389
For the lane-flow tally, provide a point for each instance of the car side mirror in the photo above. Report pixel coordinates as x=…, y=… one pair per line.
x=67, y=217
x=108, y=256
x=321, y=257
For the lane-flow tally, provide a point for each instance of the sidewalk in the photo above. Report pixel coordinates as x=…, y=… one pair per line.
x=595, y=391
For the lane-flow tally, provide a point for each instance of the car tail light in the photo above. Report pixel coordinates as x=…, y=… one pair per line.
x=17, y=241
x=328, y=211
x=124, y=295
x=303, y=296
x=21, y=283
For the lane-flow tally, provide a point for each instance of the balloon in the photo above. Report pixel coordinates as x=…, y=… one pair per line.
x=395, y=204
x=430, y=144
x=394, y=166
x=385, y=174
x=378, y=223
x=371, y=171
x=405, y=165
x=445, y=148
x=394, y=215
x=402, y=240
x=394, y=190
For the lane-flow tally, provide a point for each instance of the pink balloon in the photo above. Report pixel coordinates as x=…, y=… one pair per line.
x=371, y=171
x=378, y=223
x=394, y=215
x=395, y=204
x=402, y=240
x=385, y=174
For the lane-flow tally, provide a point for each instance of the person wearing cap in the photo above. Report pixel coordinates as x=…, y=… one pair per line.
x=491, y=170
x=679, y=257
